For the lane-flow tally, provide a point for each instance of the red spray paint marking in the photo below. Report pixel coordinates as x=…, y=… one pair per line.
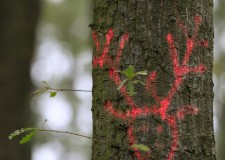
x=180, y=69
x=96, y=42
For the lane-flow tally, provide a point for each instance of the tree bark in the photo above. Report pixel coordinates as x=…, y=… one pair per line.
x=172, y=113
x=17, y=34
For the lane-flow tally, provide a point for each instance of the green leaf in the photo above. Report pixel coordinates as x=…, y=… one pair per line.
x=27, y=138
x=130, y=88
x=18, y=132
x=130, y=79
x=129, y=72
x=140, y=147
x=52, y=94
x=138, y=81
x=141, y=73
x=121, y=84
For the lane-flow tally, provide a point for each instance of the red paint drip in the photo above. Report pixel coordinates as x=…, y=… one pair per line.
x=109, y=107
x=190, y=46
x=103, y=58
x=162, y=104
x=173, y=52
x=121, y=46
x=96, y=42
x=173, y=127
x=130, y=135
x=198, y=19
x=151, y=85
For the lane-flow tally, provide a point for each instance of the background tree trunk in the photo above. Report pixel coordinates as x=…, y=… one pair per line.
x=172, y=113
x=17, y=34
x=219, y=69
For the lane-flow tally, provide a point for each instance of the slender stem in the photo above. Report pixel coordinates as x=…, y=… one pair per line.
x=66, y=90
x=63, y=132
x=72, y=133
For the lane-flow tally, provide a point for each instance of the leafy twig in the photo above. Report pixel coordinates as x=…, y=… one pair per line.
x=53, y=91
x=68, y=90
x=63, y=132
x=33, y=131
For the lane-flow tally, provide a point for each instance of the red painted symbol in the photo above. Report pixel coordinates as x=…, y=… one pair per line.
x=161, y=106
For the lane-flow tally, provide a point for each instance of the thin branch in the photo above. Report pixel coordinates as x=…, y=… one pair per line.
x=75, y=134
x=63, y=132
x=67, y=90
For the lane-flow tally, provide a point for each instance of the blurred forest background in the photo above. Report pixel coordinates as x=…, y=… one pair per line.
x=63, y=52
x=219, y=77
x=63, y=59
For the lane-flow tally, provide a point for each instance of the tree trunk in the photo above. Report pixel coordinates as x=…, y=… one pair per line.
x=170, y=116
x=17, y=33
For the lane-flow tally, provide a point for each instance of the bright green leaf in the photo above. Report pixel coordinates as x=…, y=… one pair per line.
x=27, y=138
x=129, y=72
x=140, y=147
x=52, y=94
x=121, y=84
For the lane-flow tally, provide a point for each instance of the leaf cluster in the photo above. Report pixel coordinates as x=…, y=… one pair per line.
x=130, y=79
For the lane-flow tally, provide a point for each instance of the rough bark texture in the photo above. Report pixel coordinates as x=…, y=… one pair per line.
x=220, y=137
x=148, y=23
x=17, y=34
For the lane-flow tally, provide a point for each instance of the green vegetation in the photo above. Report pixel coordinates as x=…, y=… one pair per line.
x=27, y=137
x=140, y=147
x=131, y=79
